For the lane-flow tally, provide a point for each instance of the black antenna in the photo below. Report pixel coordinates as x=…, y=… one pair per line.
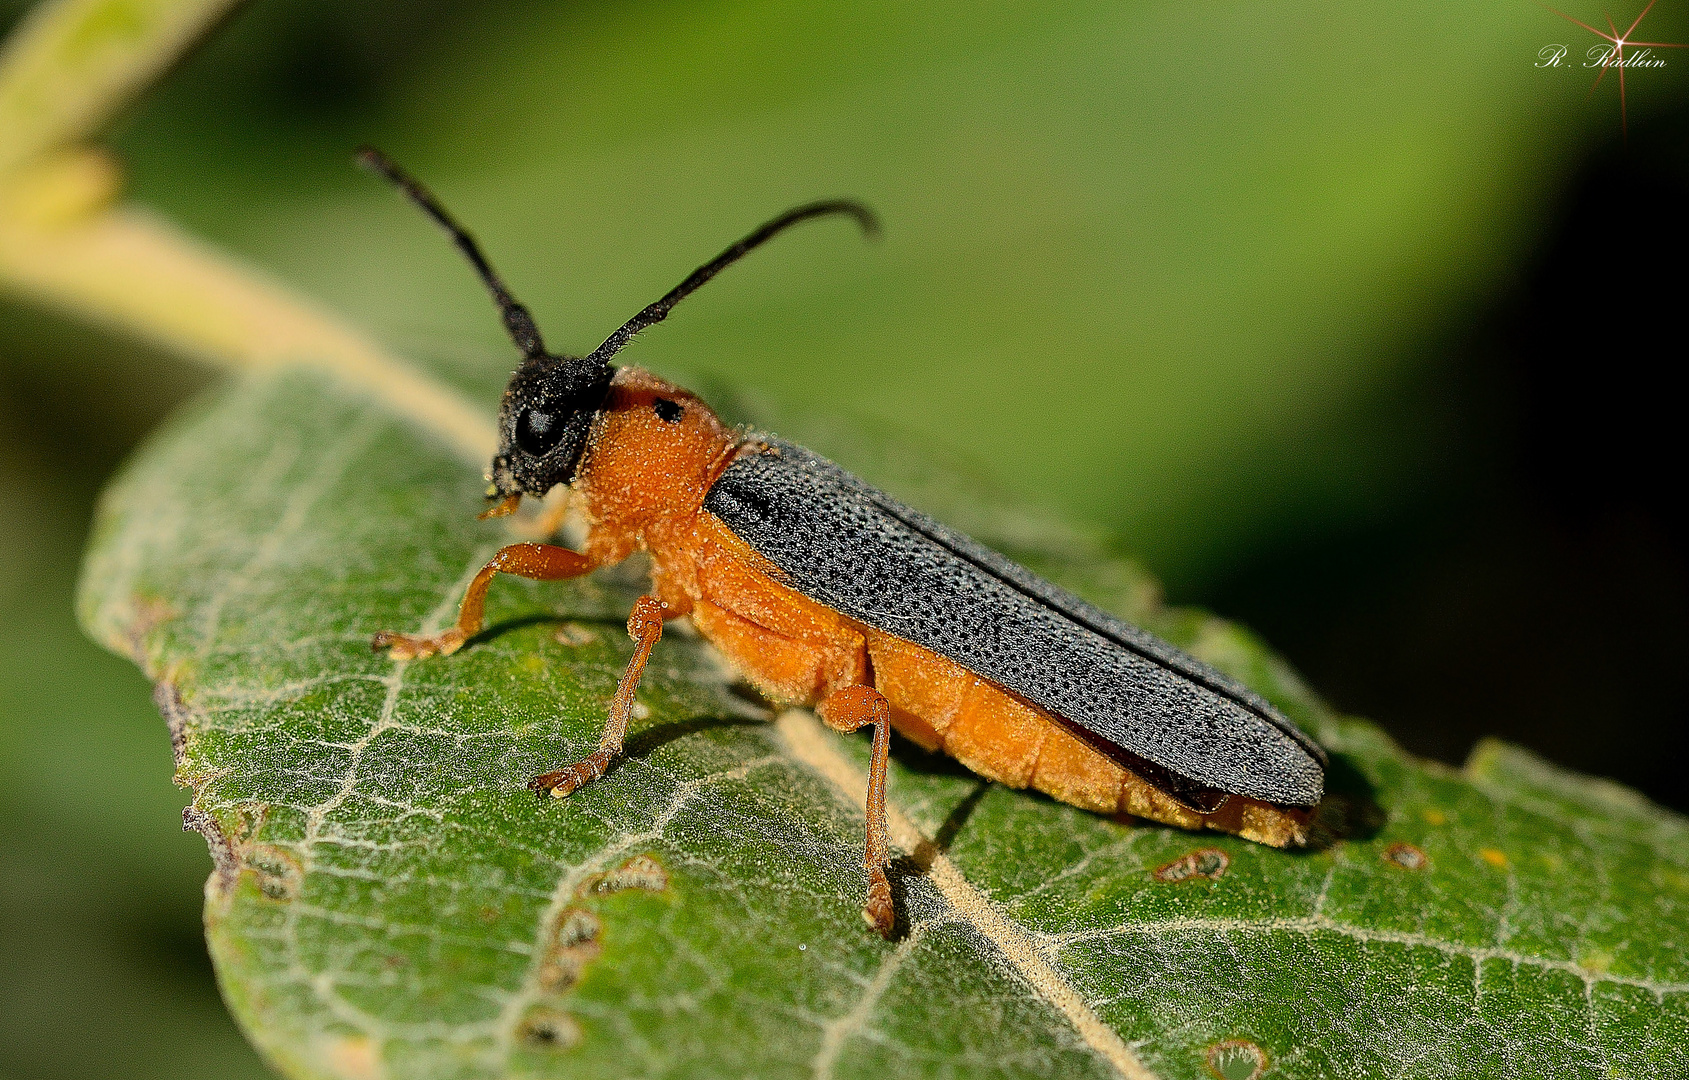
x=517, y=321
x=659, y=311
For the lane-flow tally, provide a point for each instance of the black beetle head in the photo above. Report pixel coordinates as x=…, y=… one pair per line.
x=544, y=420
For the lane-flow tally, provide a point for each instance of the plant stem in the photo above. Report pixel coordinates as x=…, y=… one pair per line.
x=71, y=64
x=65, y=239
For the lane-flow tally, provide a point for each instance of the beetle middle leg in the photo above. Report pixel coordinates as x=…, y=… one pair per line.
x=541, y=562
x=645, y=626
x=846, y=710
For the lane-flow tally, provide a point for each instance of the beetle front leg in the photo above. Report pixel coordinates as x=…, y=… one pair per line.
x=645, y=626
x=541, y=562
x=847, y=710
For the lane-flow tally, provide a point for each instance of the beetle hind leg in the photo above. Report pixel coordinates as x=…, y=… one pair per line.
x=645, y=626
x=846, y=710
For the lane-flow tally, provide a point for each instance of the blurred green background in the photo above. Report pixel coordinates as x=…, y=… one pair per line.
x=1349, y=322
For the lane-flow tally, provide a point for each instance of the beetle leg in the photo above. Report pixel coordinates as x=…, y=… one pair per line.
x=645, y=626
x=541, y=562
x=847, y=710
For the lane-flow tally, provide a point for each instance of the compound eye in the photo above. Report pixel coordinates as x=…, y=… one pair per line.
x=538, y=433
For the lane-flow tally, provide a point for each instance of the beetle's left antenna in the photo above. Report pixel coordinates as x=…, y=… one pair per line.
x=517, y=321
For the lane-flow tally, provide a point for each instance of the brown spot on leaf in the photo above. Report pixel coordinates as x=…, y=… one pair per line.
x=1434, y=816
x=279, y=874
x=639, y=872
x=548, y=1029
x=1495, y=858
x=1208, y=863
x=1236, y=1059
x=1406, y=856
x=572, y=944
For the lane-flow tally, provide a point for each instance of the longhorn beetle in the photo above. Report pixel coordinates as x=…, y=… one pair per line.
x=823, y=591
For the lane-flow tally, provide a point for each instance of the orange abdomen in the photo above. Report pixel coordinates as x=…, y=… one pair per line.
x=797, y=651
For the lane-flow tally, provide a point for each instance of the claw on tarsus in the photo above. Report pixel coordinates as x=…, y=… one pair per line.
x=877, y=910
x=571, y=778
x=416, y=647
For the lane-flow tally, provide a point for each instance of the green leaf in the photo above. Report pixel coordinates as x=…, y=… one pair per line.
x=388, y=899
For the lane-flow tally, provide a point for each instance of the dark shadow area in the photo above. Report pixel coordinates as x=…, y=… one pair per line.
x=542, y=618
x=919, y=861
x=1350, y=809
x=642, y=742
x=958, y=817
x=911, y=756
x=1538, y=589
x=744, y=691
x=493, y=631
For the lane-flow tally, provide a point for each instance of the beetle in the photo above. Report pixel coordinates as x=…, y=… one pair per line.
x=823, y=591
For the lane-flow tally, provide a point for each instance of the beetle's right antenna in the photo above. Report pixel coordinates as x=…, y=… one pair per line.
x=657, y=312
x=517, y=321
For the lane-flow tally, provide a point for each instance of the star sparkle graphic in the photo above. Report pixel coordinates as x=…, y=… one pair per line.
x=1613, y=55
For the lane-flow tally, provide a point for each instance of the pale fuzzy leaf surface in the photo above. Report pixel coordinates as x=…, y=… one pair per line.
x=389, y=901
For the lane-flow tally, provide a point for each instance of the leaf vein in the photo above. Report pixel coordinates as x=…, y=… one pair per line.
x=807, y=742
x=1324, y=924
